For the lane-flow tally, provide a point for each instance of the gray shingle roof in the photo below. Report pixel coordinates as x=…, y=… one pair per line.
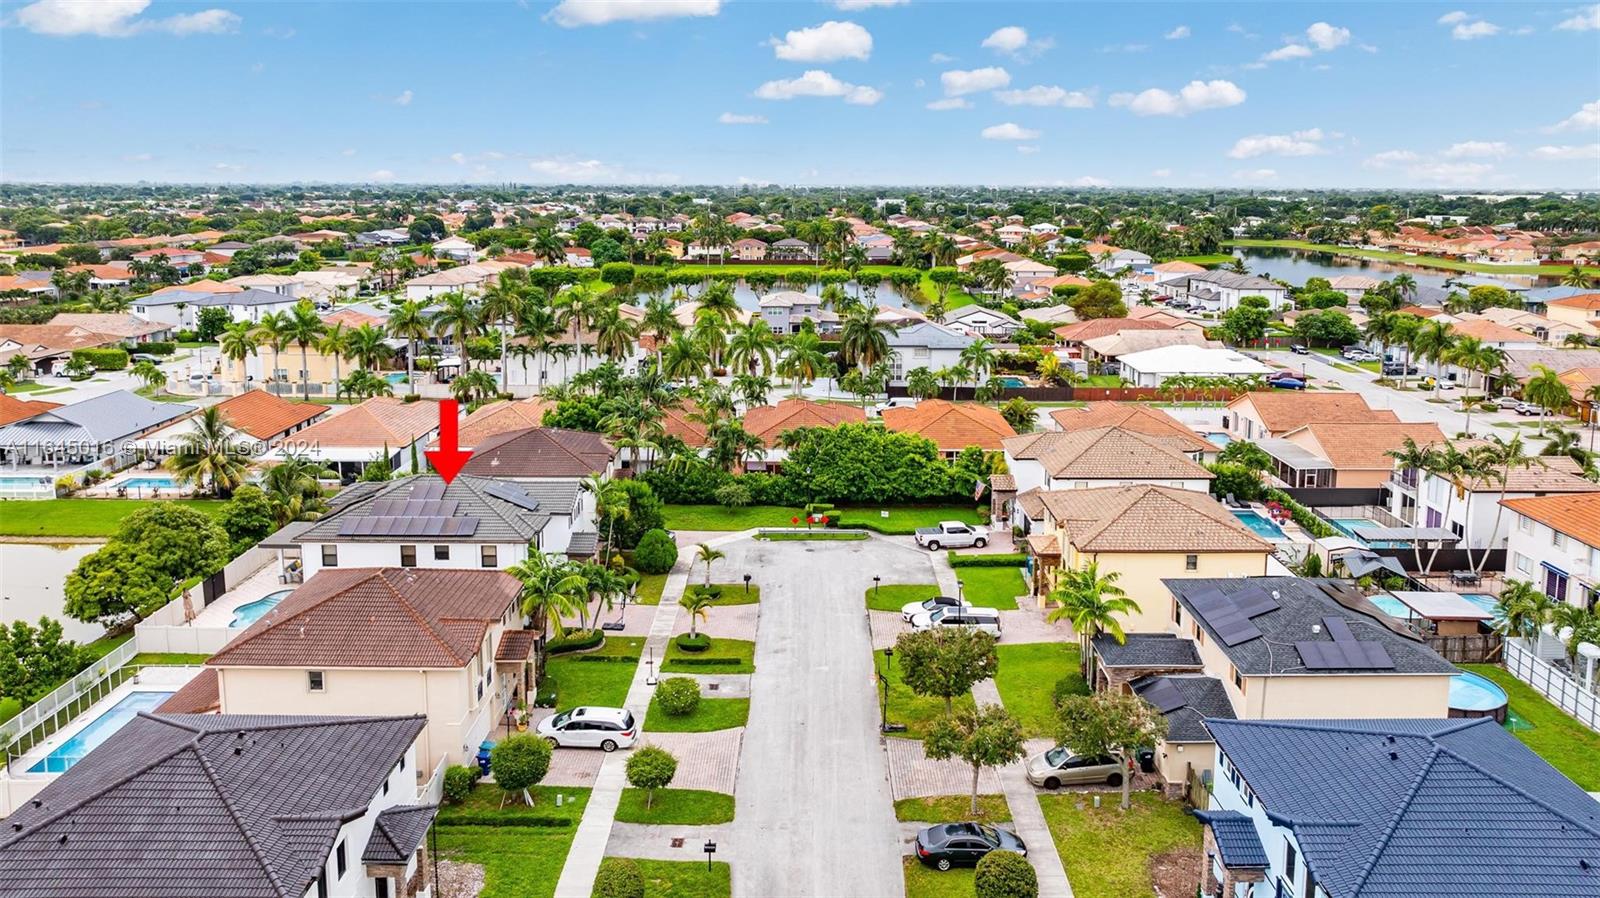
x=926, y=333
x=1420, y=808
x=1186, y=702
x=500, y=520
x=1146, y=650
x=248, y=297
x=1302, y=606
x=396, y=833
x=1237, y=839
x=103, y=419
x=202, y=805
x=1232, y=281
x=583, y=544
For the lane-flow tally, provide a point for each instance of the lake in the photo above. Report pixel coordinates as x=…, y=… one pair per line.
x=1295, y=266
x=885, y=294
x=32, y=576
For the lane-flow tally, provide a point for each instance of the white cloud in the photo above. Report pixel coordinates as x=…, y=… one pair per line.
x=1088, y=181
x=1009, y=39
x=958, y=82
x=117, y=18
x=1565, y=153
x=404, y=98
x=825, y=43
x=349, y=151
x=1450, y=173
x=1192, y=97
x=458, y=158
x=1042, y=95
x=853, y=5
x=1287, y=51
x=1327, y=37
x=1027, y=149
x=577, y=13
x=1161, y=173
x=1008, y=131
x=949, y=103
x=1256, y=175
x=734, y=118
x=1585, y=118
x=382, y=174
x=1453, y=18
x=1467, y=31
x=941, y=58
x=1389, y=157
x=817, y=83
x=1586, y=20
x=1477, y=149
x=1300, y=143
x=570, y=170
x=1178, y=33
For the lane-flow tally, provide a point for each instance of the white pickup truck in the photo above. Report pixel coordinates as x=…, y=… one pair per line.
x=952, y=535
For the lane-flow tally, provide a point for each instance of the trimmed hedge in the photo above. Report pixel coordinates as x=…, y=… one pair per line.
x=591, y=639
x=619, y=877
x=1010, y=560
x=1303, y=516
x=157, y=347
x=709, y=661
x=458, y=782
x=103, y=359
x=700, y=642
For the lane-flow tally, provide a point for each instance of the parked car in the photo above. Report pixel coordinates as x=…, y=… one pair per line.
x=985, y=619
x=897, y=402
x=1396, y=369
x=964, y=844
x=952, y=535
x=607, y=729
x=1298, y=349
x=1286, y=383
x=1527, y=408
x=146, y=357
x=912, y=609
x=1508, y=402
x=1060, y=767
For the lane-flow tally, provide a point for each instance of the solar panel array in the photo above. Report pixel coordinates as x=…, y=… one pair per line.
x=512, y=494
x=393, y=525
x=1164, y=696
x=1229, y=616
x=1345, y=651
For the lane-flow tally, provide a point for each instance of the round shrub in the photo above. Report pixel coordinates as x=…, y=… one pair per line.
x=458, y=782
x=651, y=768
x=519, y=762
x=679, y=696
x=656, y=553
x=697, y=643
x=711, y=592
x=619, y=877
x=1005, y=874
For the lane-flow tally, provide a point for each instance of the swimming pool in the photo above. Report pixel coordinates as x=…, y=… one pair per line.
x=1219, y=439
x=1262, y=527
x=1348, y=526
x=1475, y=696
x=87, y=739
x=149, y=483
x=1013, y=382
x=1391, y=606
x=396, y=377
x=250, y=612
x=1483, y=600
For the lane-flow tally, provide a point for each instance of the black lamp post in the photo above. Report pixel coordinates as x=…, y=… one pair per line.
x=961, y=590
x=888, y=666
x=710, y=849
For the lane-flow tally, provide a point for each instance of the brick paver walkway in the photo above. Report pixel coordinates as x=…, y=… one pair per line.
x=725, y=621
x=913, y=775
x=707, y=761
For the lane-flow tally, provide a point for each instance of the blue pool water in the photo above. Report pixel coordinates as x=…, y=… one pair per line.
x=1220, y=439
x=1391, y=606
x=1010, y=381
x=1348, y=526
x=250, y=612
x=115, y=718
x=150, y=483
x=1263, y=527
x=1470, y=692
x=397, y=377
x=1484, y=601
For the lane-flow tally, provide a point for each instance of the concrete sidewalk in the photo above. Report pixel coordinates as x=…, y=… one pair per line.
x=1027, y=818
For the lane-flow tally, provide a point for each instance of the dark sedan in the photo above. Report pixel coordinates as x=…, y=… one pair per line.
x=963, y=844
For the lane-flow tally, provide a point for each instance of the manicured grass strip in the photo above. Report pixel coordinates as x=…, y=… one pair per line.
x=992, y=587
x=893, y=596
x=735, y=593
x=925, y=882
x=687, y=807
x=904, y=521
x=712, y=714
x=484, y=804
x=901, y=519
x=813, y=536
x=915, y=711
x=952, y=808
x=1566, y=744
x=685, y=879
x=82, y=517
x=715, y=517
x=724, y=656
x=180, y=659
x=650, y=588
x=1027, y=682
x=1107, y=851
x=580, y=682
x=518, y=861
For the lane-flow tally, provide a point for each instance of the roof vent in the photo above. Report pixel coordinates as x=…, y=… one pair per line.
x=16, y=827
x=238, y=750
x=63, y=839
x=1394, y=756
x=37, y=803
x=1583, y=864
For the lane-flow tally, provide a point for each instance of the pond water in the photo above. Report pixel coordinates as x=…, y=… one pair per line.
x=883, y=294
x=1295, y=266
x=31, y=579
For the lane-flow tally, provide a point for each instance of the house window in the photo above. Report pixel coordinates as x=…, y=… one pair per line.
x=491, y=556
x=1199, y=636
x=1191, y=562
x=1177, y=613
x=1525, y=524
x=1238, y=680
x=330, y=556
x=441, y=553
x=314, y=681
x=408, y=556
x=1556, y=539
x=1524, y=563
x=1290, y=862
x=381, y=887
x=340, y=864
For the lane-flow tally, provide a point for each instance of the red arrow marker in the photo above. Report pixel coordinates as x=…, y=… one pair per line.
x=449, y=457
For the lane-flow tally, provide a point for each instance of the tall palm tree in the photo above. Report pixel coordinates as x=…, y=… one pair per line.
x=1458, y=469
x=1421, y=459
x=238, y=342
x=705, y=555
x=551, y=590
x=979, y=358
x=1523, y=609
x=1576, y=277
x=335, y=344
x=273, y=331
x=719, y=299
x=459, y=320
x=1548, y=391
x=1402, y=332
x=1433, y=342
x=1404, y=285
x=752, y=388
x=684, y=358
x=751, y=347
x=574, y=309
x=409, y=321
x=803, y=360
x=503, y=303
x=1501, y=456
x=659, y=322
x=208, y=457
x=710, y=331
x=1592, y=397
x=548, y=247
x=305, y=328
x=863, y=339
x=365, y=345
x=614, y=336
x=1094, y=604
x=292, y=489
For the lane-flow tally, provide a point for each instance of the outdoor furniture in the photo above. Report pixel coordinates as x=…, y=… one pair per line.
x=1465, y=578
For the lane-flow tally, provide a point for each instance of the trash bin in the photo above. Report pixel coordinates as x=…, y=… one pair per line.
x=483, y=756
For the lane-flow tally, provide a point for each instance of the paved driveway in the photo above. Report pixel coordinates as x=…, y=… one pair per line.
x=814, y=811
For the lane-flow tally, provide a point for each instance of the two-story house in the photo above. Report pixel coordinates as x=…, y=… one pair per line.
x=1273, y=413
x=1102, y=456
x=1474, y=514
x=1554, y=543
x=550, y=465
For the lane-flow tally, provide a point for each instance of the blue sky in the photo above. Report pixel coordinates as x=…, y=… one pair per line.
x=823, y=92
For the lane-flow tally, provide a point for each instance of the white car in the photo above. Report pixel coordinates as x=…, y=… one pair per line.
x=985, y=619
x=911, y=609
x=897, y=402
x=952, y=535
x=607, y=729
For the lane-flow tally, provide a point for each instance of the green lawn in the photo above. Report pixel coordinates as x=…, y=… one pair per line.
x=580, y=682
x=180, y=659
x=1566, y=744
x=917, y=712
x=650, y=587
x=685, y=879
x=951, y=808
x=992, y=587
x=726, y=656
x=736, y=594
x=687, y=807
x=1027, y=681
x=82, y=517
x=518, y=861
x=1419, y=261
x=1103, y=380
x=926, y=882
x=901, y=519
x=485, y=801
x=1107, y=851
x=891, y=596
x=712, y=714
x=904, y=520
x=1211, y=261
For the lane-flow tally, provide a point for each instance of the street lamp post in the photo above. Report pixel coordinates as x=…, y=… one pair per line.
x=883, y=679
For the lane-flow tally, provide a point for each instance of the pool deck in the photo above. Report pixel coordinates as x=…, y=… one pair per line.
x=149, y=679
x=258, y=585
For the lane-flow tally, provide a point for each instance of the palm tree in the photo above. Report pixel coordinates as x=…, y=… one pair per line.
x=730, y=445
x=548, y=247
x=1506, y=456
x=1092, y=602
x=1576, y=277
x=304, y=328
x=709, y=331
x=804, y=360
x=684, y=358
x=459, y=320
x=409, y=321
x=550, y=590
x=1458, y=469
x=1433, y=342
x=979, y=358
x=752, y=388
x=1548, y=391
x=704, y=554
x=696, y=603
x=365, y=345
x=921, y=383
x=1405, y=285
x=1402, y=332
x=1523, y=609
x=1475, y=356
x=363, y=384
x=503, y=303
x=473, y=386
x=659, y=322
x=292, y=489
x=1579, y=625
x=1592, y=397
x=335, y=344
x=863, y=339
x=208, y=457
x=610, y=502
x=152, y=375
x=273, y=331
x=1421, y=459
x=751, y=347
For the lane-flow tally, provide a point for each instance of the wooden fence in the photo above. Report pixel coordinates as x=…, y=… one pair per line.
x=1478, y=648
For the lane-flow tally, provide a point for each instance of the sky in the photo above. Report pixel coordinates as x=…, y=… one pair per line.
x=819, y=92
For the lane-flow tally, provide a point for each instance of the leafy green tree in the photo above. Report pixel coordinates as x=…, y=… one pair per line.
x=1117, y=724
x=115, y=583
x=1236, y=480
x=1329, y=327
x=656, y=553
x=519, y=763
x=651, y=768
x=154, y=549
x=248, y=518
x=34, y=659
x=1244, y=452
x=211, y=322
x=944, y=662
x=1101, y=299
x=1020, y=414
x=1247, y=321
x=986, y=736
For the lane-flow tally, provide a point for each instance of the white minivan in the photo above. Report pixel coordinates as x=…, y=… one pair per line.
x=985, y=619
x=607, y=729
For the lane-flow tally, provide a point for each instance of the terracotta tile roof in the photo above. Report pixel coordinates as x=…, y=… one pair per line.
x=541, y=452
x=13, y=409
x=1557, y=475
x=352, y=319
x=1279, y=411
x=1102, y=327
x=1361, y=446
x=675, y=423
x=1064, y=280
x=53, y=339
x=1102, y=453
x=264, y=416
x=1132, y=416
x=1581, y=301
x=516, y=645
x=1575, y=514
x=1031, y=503
x=1149, y=519
x=103, y=272
x=1179, y=267
x=375, y=422
x=952, y=426
x=377, y=617
x=198, y=696
x=203, y=286
x=768, y=422
x=1002, y=483
x=116, y=324
x=503, y=416
x=1043, y=544
x=1489, y=332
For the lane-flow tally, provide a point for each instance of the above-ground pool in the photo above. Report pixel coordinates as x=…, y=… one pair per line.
x=1263, y=527
x=1475, y=696
x=149, y=483
x=250, y=612
x=87, y=739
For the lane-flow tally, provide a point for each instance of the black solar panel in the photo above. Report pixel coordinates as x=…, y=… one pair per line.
x=1225, y=617
x=512, y=494
x=1253, y=601
x=1344, y=651
x=1164, y=696
x=409, y=526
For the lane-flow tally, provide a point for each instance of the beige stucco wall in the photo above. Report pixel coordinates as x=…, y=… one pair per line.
x=1570, y=315
x=1327, y=696
x=1174, y=759
x=1141, y=573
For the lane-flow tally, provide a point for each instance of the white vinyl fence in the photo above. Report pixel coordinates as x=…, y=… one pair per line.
x=64, y=702
x=1553, y=684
